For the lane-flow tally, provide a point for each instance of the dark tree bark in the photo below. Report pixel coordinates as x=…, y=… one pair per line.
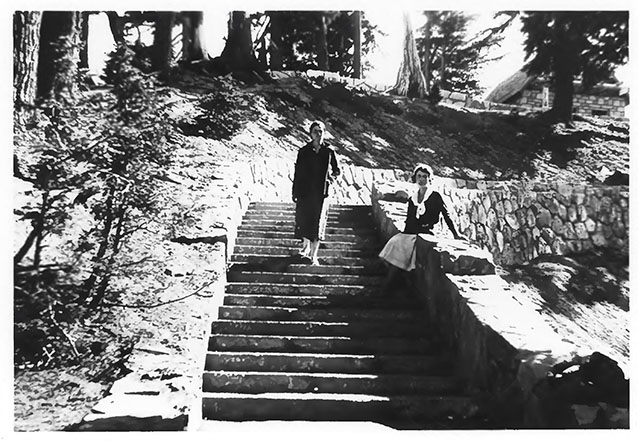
x=276, y=60
x=356, y=18
x=162, y=52
x=84, y=40
x=192, y=36
x=238, y=54
x=564, y=90
x=321, y=37
x=26, y=44
x=427, y=48
x=59, y=55
x=116, y=23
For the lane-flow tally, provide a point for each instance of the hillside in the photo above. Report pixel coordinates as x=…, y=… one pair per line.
x=228, y=119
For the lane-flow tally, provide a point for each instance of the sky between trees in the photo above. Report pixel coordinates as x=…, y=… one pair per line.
x=385, y=59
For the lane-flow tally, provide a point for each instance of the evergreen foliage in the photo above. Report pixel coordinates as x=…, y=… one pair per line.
x=94, y=161
x=298, y=43
x=565, y=45
x=453, y=57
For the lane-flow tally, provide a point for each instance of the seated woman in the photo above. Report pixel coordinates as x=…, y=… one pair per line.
x=425, y=207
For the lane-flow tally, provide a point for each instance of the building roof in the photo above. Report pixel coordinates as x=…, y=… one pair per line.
x=521, y=80
x=509, y=87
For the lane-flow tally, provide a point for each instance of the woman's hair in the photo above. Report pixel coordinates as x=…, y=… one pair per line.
x=316, y=124
x=422, y=167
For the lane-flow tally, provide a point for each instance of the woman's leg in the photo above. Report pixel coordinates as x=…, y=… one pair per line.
x=391, y=277
x=314, y=250
x=305, y=247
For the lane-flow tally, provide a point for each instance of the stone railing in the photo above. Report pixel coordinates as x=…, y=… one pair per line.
x=517, y=223
x=273, y=181
x=505, y=350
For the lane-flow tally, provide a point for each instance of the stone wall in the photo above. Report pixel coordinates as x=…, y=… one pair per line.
x=583, y=104
x=273, y=181
x=517, y=223
x=505, y=350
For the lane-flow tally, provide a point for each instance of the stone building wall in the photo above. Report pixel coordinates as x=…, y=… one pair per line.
x=583, y=104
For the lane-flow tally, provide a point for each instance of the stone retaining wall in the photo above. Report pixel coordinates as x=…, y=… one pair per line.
x=273, y=181
x=517, y=223
x=505, y=350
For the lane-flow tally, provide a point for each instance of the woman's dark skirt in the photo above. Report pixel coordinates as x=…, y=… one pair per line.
x=310, y=218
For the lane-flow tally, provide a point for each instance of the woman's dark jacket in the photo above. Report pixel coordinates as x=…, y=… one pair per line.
x=434, y=207
x=311, y=171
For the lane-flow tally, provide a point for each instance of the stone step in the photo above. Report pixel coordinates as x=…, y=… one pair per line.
x=328, y=244
x=377, y=269
x=343, y=363
x=248, y=235
x=321, y=344
x=286, y=223
x=296, y=268
x=362, y=231
x=303, y=278
x=266, y=206
x=322, y=315
x=309, y=328
x=333, y=407
x=290, y=215
x=385, y=384
x=292, y=250
x=260, y=258
x=363, y=301
x=300, y=289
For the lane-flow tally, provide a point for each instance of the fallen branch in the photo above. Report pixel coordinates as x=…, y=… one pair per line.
x=168, y=302
x=67, y=336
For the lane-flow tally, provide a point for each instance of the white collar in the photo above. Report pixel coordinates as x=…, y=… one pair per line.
x=420, y=206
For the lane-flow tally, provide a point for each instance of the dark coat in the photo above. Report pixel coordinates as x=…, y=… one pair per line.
x=311, y=171
x=434, y=207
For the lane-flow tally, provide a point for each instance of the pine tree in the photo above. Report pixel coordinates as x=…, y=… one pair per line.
x=26, y=43
x=449, y=56
x=565, y=45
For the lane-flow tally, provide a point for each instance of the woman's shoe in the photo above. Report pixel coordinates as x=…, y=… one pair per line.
x=306, y=260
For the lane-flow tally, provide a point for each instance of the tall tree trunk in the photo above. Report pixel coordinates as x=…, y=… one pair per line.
x=563, y=91
x=356, y=18
x=193, y=42
x=26, y=44
x=427, y=48
x=410, y=80
x=442, y=77
x=238, y=52
x=116, y=24
x=565, y=53
x=274, y=49
x=162, y=53
x=321, y=41
x=59, y=55
x=84, y=40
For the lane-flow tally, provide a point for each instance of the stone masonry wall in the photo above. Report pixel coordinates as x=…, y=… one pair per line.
x=517, y=223
x=505, y=349
x=583, y=104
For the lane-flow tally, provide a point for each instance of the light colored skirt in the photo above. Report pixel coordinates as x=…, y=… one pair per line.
x=400, y=251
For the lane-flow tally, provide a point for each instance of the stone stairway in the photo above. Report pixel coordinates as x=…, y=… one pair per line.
x=325, y=342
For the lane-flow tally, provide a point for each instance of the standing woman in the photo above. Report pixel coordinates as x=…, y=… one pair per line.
x=425, y=207
x=315, y=168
